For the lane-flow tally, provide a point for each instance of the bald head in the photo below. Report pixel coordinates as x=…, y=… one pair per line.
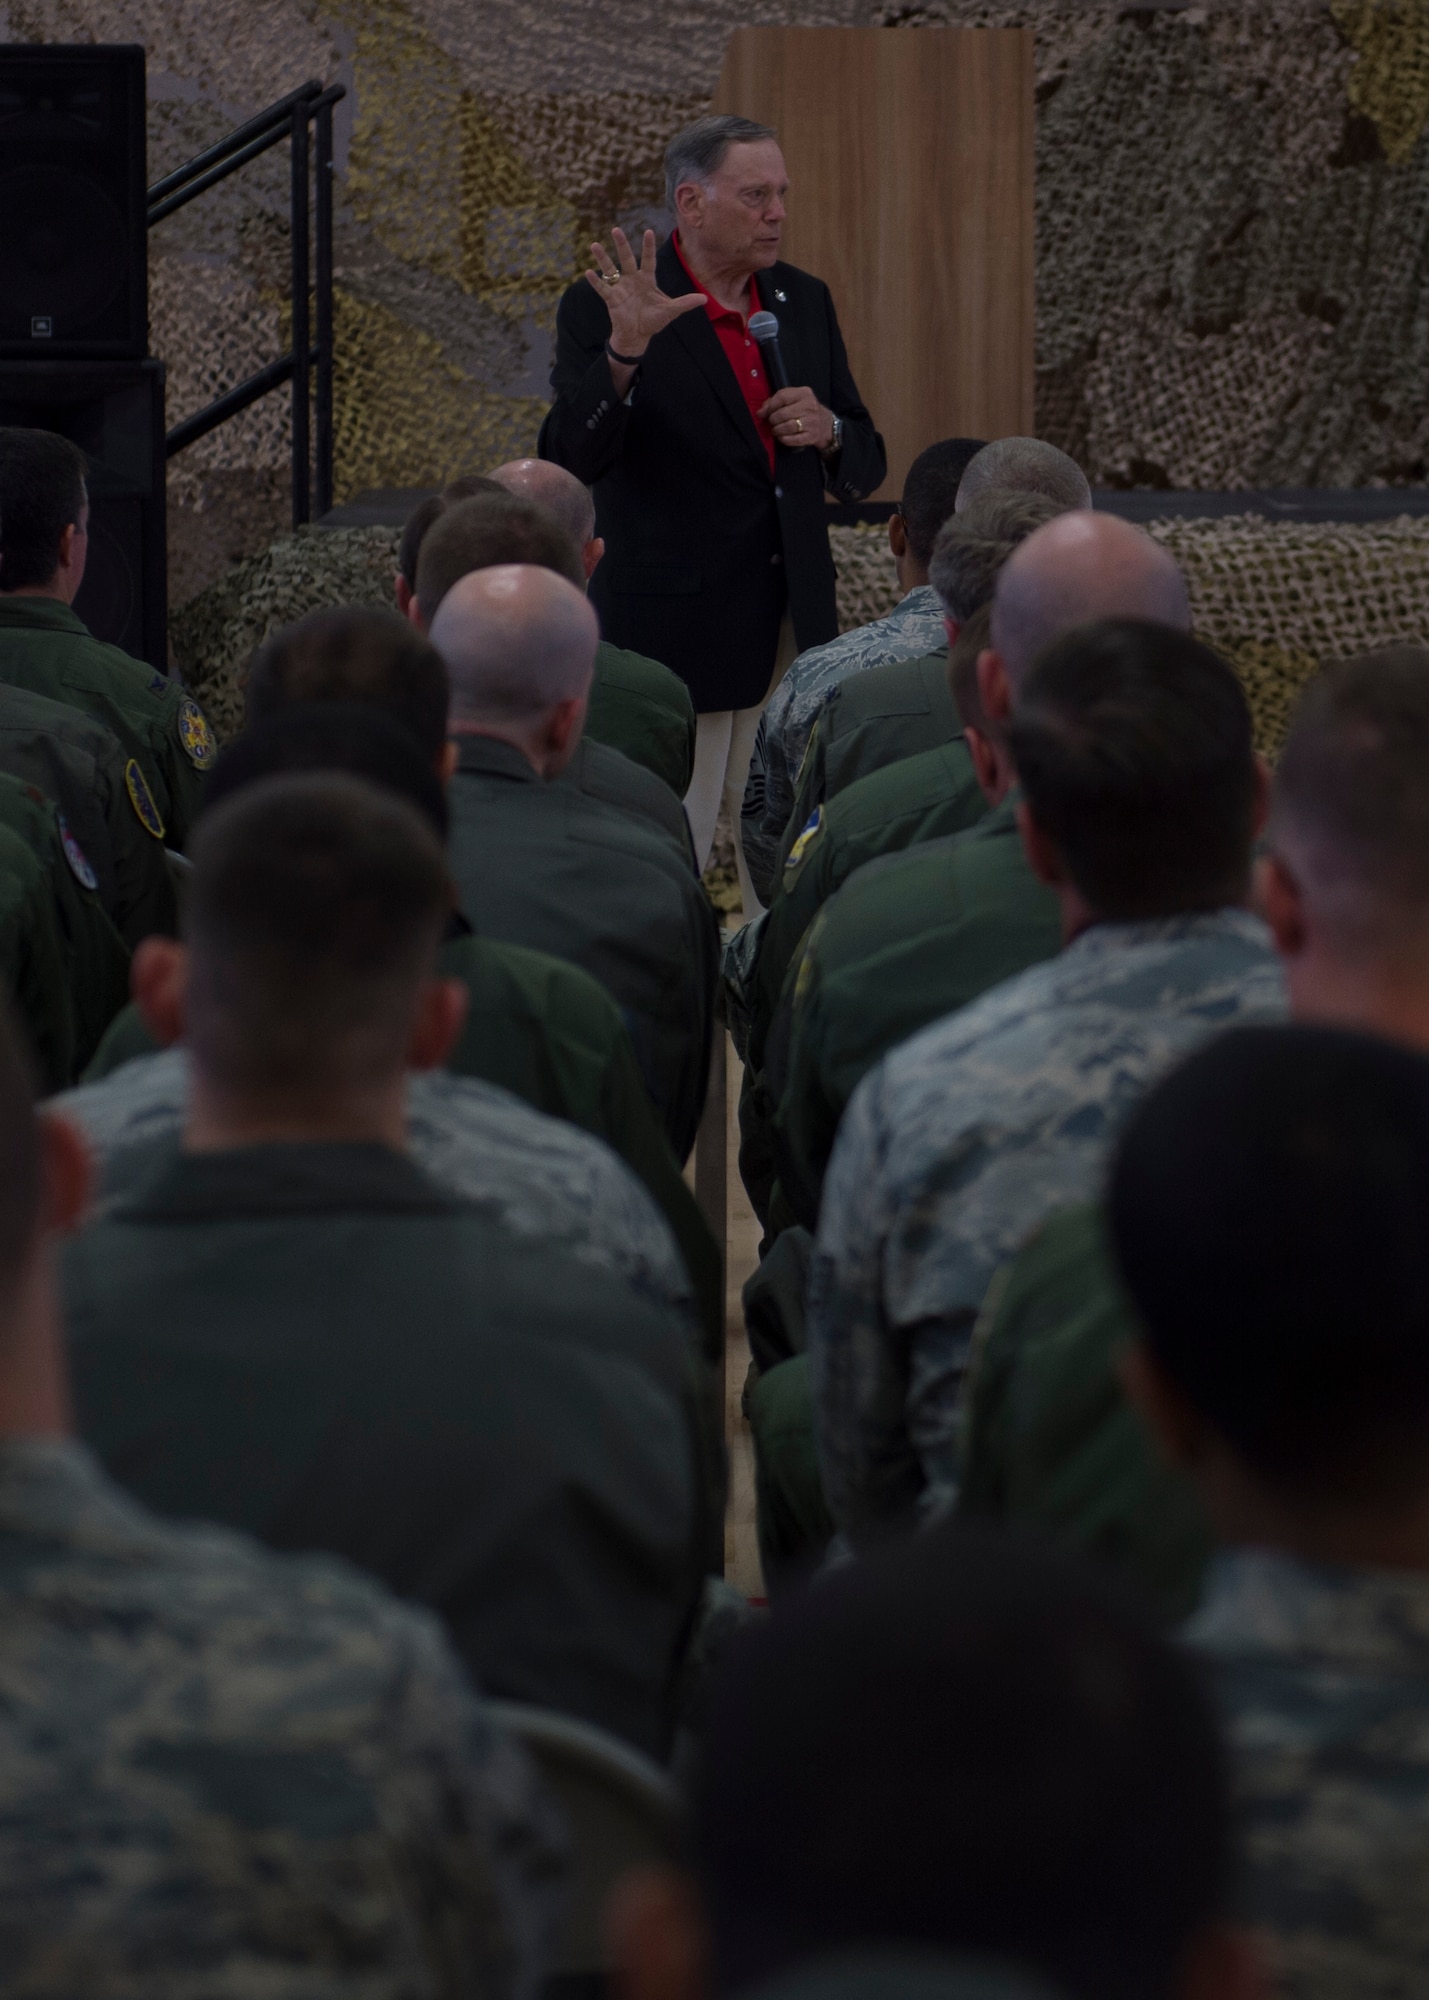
x=1078, y=570
x=518, y=640
x=1024, y=465
x=553, y=488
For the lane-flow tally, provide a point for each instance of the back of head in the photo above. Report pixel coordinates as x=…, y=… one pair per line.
x=312, y=916
x=466, y=487
x=21, y=1169
x=930, y=491
x=1350, y=808
x=354, y=655
x=1133, y=746
x=972, y=546
x=1075, y=570
x=1267, y=1209
x=344, y=736
x=962, y=670
x=1025, y=465
x=481, y=533
x=972, y=1746
x=565, y=498
x=518, y=640
x=42, y=493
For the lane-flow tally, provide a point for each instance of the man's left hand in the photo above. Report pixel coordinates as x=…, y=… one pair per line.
x=797, y=419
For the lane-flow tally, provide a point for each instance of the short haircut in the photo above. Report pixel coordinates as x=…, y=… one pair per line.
x=1133, y=746
x=1267, y=1208
x=1350, y=795
x=360, y=654
x=331, y=736
x=485, y=532
x=466, y=487
x=21, y=1163
x=973, y=637
x=42, y=492
x=972, y=546
x=698, y=151
x=1027, y=465
x=930, y=491
x=970, y=1744
x=312, y=915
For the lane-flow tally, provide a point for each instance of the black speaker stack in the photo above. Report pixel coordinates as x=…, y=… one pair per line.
x=74, y=318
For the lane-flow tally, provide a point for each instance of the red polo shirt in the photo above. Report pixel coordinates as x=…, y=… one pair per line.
x=742, y=353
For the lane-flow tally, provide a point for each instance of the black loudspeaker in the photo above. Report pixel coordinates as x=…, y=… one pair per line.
x=114, y=412
x=74, y=266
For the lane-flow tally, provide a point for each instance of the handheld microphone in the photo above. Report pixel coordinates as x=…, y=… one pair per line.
x=764, y=328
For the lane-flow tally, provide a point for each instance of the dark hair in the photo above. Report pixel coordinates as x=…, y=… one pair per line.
x=1133, y=746
x=312, y=914
x=1353, y=770
x=1268, y=1205
x=331, y=736
x=930, y=491
x=42, y=493
x=431, y=509
x=21, y=1167
x=478, y=534
x=698, y=151
x=970, y=1744
x=973, y=636
x=357, y=654
x=972, y=547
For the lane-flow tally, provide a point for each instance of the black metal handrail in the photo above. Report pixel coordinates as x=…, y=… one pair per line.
x=308, y=364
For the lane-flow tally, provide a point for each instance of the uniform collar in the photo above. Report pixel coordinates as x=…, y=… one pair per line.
x=489, y=756
x=1360, y=1620
x=41, y=614
x=282, y=1180
x=1102, y=939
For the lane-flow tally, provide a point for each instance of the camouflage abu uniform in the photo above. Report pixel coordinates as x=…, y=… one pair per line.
x=1323, y=1677
x=914, y=627
x=952, y=1151
x=226, y=1773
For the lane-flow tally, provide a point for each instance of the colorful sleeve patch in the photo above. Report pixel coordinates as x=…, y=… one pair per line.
x=195, y=734
x=75, y=855
x=142, y=799
x=805, y=841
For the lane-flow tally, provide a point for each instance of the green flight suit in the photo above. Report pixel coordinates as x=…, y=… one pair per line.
x=640, y=707
x=552, y=1035
x=1051, y=1440
x=46, y=647
x=617, y=780
x=872, y=720
x=79, y=765
x=96, y=959
x=33, y=964
x=548, y=866
x=908, y=939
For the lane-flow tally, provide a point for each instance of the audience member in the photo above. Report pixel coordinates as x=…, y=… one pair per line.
x=1132, y=744
x=1024, y=465
x=913, y=628
x=46, y=647
x=290, y=1328
x=465, y=487
x=969, y=1747
x=34, y=963
x=1267, y=1210
x=220, y=1766
x=553, y=867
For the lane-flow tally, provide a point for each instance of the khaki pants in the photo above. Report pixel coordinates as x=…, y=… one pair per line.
x=724, y=743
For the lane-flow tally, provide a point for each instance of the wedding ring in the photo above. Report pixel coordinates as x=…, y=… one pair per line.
x=799, y=425
x=610, y=277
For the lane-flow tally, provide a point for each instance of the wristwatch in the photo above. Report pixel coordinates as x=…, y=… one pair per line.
x=836, y=443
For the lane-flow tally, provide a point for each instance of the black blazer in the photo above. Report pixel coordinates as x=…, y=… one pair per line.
x=703, y=548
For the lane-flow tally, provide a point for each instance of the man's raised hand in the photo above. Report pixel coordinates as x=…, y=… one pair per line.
x=638, y=308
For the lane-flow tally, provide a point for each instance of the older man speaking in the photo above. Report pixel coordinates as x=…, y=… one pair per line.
x=709, y=477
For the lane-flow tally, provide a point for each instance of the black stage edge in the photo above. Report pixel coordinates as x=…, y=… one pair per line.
x=389, y=506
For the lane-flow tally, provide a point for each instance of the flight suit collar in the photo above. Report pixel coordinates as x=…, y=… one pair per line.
x=284, y=1181
x=40, y=614
x=488, y=756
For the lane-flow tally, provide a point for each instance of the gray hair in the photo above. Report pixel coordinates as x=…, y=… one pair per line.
x=1030, y=466
x=972, y=547
x=698, y=151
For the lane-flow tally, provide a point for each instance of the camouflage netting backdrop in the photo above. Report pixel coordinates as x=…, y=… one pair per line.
x=1233, y=226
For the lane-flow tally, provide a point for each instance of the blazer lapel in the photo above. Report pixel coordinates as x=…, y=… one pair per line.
x=701, y=343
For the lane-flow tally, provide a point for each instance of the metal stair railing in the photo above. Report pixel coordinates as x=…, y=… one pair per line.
x=308, y=364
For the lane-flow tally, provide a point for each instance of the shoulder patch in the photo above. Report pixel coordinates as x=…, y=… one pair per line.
x=142, y=799
x=195, y=734
x=76, y=857
x=806, y=840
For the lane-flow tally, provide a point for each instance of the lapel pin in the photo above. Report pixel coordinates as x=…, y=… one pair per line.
x=780, y=296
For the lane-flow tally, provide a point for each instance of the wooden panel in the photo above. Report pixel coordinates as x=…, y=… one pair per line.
x=910, y=165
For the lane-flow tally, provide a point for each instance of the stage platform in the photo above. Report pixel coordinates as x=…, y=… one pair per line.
x=388, y=507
